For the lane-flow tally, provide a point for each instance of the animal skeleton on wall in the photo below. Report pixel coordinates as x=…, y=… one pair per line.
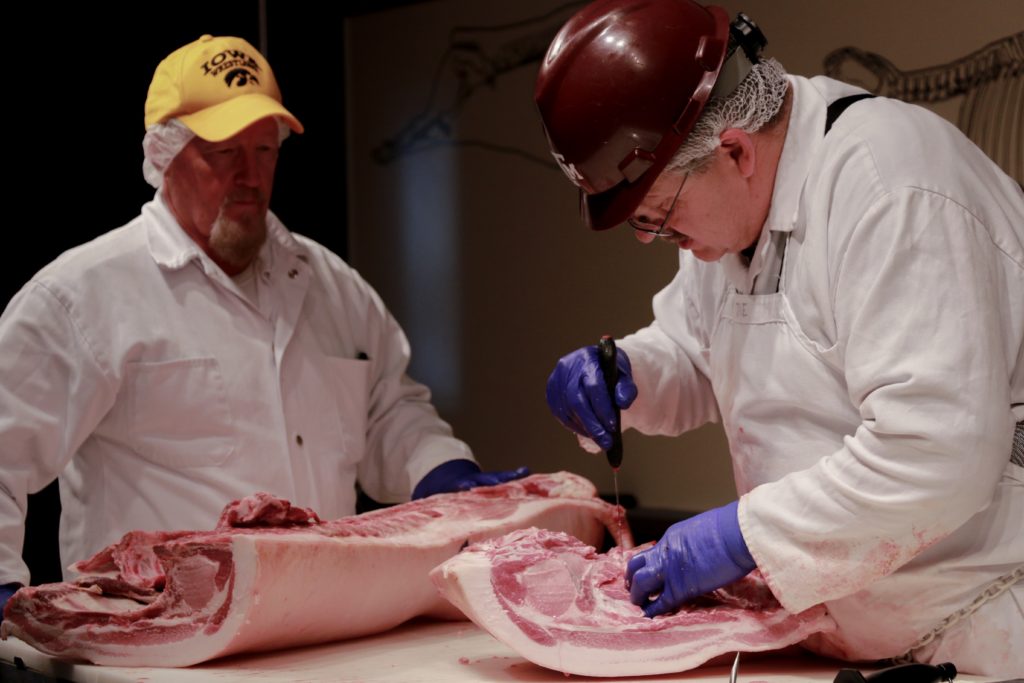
x=990, y=80
x=477, y=57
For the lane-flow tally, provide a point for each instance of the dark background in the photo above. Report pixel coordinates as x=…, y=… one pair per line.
x=77, y=82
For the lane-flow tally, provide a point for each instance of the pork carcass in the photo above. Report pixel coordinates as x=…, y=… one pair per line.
x=560, y=604
x=272, y=575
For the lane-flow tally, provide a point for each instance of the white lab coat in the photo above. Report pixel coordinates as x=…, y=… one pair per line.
x=871, y=402
x=137, y=371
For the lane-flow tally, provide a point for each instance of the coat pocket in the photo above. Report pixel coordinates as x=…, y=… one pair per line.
x=179, y=414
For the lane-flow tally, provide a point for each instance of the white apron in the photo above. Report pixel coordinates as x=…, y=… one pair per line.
x=755, y=336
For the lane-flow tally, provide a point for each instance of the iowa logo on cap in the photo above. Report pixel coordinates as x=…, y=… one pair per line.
x=238, y=68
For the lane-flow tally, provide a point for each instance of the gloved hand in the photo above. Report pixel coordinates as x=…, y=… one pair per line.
x=579, y=398
x=6, y=591
x=694, y=557
x=461, y=475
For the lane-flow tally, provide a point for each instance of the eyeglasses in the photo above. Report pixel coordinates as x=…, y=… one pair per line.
x=641, y=224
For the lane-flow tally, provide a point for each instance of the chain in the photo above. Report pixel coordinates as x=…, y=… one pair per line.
x=991, y=592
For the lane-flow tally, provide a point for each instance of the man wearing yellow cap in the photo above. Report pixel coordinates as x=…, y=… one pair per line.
x=203, y=352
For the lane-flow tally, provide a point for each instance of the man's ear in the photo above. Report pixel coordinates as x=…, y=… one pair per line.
x=738, y=146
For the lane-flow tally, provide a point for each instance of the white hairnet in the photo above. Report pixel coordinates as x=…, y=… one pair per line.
x=163, y=142
x=754, y=103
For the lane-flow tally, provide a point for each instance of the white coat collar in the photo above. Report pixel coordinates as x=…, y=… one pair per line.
x=803, y=139
x=172, y=248
x=805, y=133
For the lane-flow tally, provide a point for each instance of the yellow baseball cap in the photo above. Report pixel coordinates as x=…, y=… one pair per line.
x=217, y=87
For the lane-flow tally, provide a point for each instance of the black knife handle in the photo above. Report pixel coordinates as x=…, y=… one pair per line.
x=904, y=673
x=610, y=370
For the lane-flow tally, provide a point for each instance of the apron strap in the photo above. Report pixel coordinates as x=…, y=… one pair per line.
x=839, y=106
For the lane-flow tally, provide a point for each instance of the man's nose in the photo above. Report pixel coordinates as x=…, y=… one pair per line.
x=247, y=169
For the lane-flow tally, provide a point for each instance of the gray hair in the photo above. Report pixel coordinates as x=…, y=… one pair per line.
x=755, y=103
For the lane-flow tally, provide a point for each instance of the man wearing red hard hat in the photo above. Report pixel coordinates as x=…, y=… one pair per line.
x=204, y=352
x=849, y=304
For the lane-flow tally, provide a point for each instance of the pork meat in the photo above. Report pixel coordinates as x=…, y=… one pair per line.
x=273, y=575
x=562, y=605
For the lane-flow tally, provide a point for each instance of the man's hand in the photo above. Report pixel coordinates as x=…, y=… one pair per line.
x=6, y=591
x=579, y=398
x=461, y=475
x=694, y=557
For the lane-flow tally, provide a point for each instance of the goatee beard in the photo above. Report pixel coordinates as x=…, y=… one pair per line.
x=237, y=242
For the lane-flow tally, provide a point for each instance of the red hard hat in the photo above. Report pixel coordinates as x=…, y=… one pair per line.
x=619, y=90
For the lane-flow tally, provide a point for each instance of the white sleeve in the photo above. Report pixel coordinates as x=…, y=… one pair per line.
x=406, y=438
x=52, y=395
x=916, y=295
x=669, y=360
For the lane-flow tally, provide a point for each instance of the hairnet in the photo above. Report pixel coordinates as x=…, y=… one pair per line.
x=752, y=105
x=163, y=142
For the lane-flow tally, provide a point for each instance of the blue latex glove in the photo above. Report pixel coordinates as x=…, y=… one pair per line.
x=461, y=475
x=6, y=591
x=694, y=557
x=579, y=398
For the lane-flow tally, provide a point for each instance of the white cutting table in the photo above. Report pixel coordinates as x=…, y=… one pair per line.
x=415, y=652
